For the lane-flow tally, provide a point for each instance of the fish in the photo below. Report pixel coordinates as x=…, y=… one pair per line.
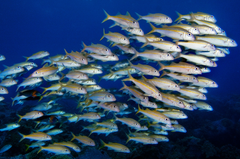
x=143, y=139
x=155, y=55
x=155, y=115
x=54, y=132
x=157, y=18
x=38, y=55
x=122, y=20
x=115, y=38
x=117, y=147
x=84, y=140
x=5, y=148
x=197, y=45
x=132, y=123
x=203, y=106
x=56, y=149
x=77, y=57
x=30, y=115
x=10, y=127
x=68, y=144
x=181, y=67
x=8, y=82
x=44, y=71
x=164, y=83
x=39, y=136
x=173, y=32
x=33, y=81
x=102, y=97
x=218, y=40
x=198, y=16
x=145, y=69
x=35, y=144
x=97, y=48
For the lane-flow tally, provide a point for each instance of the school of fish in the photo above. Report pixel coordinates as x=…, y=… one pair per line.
x=162, y=72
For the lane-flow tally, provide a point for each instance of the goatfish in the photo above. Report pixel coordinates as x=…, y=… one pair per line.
x=218, y=40
x=145, y=69
x=205, y=82
x=115, y=147
x=39, y=136
x=44, y=71
x=166, y=46
x=142, y=139
x=197, y=45
x=181, y=67
x=205, y=30
x=116, y=38
x=122, y=20
x=192, y=93
x=155, y=115
x=198, y=59
x=102, y=97
x=189, y=28
x=198, y=16
x=68, y=144
x=155, y=55
x=11, y=70
x=10, y=127
x=97, y=48
x=203, y=106
x=77, y=57
x=157, y=18
x=145, y=87
x=57, y=149
x=84, y=139
x=181, y=77
x=31, y=115
x=173, y=32
x=30, y=82
x=38, y=55
x=129, y=122
x=164, y=83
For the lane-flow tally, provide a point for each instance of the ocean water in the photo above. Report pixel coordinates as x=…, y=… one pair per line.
x=27, y=27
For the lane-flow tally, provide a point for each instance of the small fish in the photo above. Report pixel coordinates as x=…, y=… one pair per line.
x=44, y=71
x=102, y=97
x=218, y=40
x=160, y=138
x=205, y=30
x=8, y=82
x=122, y=20
x=10, y=127
x=116, y=38
x=68, y=144
x=157, y=18
x=35, y=144
x=77, y=57
x=197, y=45
x=155, y=55
x=31, y=115
x=164, y=83
x=45, y=127
x=175, y=114
x=97, y=48
x=145, y=69
x=179, y=128
x=129, y=122
x=84, y=139
x=39, y=136
x=203, y=106
x=32, y=81
x=192, y=93
x=57, y=149
x=189, y=28
x=115, y=147
x=205, y=82
x=5, y=148
x=198, y=16
x=38, y=55
x=143, y=139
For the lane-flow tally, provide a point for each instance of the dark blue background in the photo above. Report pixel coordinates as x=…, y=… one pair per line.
x=30, y=26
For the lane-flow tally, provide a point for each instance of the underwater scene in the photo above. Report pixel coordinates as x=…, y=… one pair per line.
x=110, y=79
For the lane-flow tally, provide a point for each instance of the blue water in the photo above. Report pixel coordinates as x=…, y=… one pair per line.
x=27, y=27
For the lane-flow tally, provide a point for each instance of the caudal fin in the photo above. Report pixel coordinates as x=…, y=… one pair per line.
x=107, y=18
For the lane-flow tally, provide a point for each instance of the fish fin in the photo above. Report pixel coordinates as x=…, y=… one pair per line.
x=28, y=146
x=128, y=138
x=161, y=65
x=84, y=46
x=128, y=79
x=19, y=117
x=139, y=109
x=27, y=58
x=146, y=43
x=179, y=17
x=114, y=24
x=135, y=56
x=124, y=86
x=40, y=149
x=139, y=16
x=23, y=137
x=107, y=18
x=73, y=137
x=153, y=29
x=102, y=144
x=103, y=34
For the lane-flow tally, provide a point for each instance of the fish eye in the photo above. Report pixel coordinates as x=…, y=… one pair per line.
x=179, y=102
x=2, y=89
x=166, y=119
x=176, y=86
x=194, y=78
x=177, y=47
x=196, y=68
x=82, y=59
x=36, y=72
x=140, y=31
x=155, y=71
x=168, y=54
x=109, y=96
x=232, y=41
x=106, y=50
x=167, y=18
x=189, y=34
x=134, y=22
x=136, y=124
x=213, y=82
x=159, y=94
x=124, y=38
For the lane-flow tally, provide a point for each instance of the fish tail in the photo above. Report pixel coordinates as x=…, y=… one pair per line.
x=139, y=109
x=179, y=17
x=103, y=34
x=23, y=136
x=107, y=18
x=27, y=58
x=19, y=117
x=124, y=86
x=135, y=56
x=28, y=146
x=139, y=16
x=84, y=46
x=13, y=101
x=41, y=98
x=40, y=149
x=73, y=136
x=162, y=66
x=153, y=28
x=18, y=88
x=128, y=138
x=163, y=74
x=146, y=43
x=45, y=89
x=128, y=79
x=102, y=144
x=90, y=133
